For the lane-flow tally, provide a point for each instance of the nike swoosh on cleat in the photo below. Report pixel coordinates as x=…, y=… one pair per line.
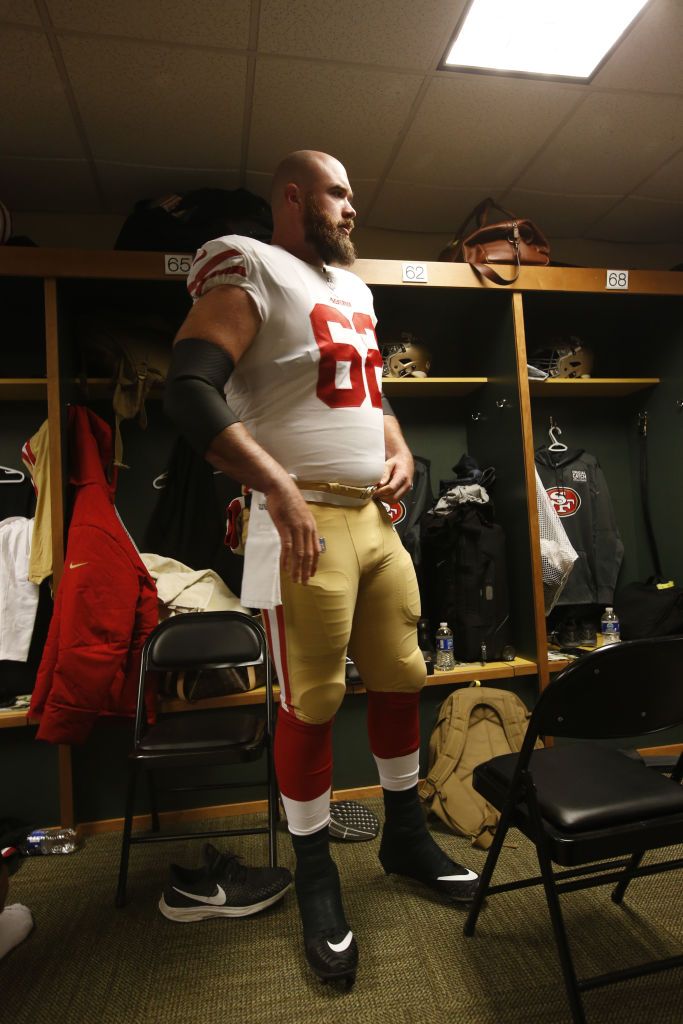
x=468, y=876
x=339, y=947
x=218, y=900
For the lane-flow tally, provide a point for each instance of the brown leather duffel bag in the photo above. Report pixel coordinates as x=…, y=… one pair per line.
x=514, y=241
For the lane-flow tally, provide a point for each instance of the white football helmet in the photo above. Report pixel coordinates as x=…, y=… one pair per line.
x=406, y=358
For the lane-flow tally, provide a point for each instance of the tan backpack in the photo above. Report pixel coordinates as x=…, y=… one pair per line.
x=473, y=725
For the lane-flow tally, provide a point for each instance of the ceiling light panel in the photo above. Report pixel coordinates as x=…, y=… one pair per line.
x=540, y=37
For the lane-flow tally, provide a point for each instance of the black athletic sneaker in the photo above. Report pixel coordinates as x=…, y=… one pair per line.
x=222, y=887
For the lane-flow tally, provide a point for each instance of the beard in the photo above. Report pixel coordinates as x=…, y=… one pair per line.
x=331, y=243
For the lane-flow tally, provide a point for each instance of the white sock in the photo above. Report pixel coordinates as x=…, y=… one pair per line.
x=15, y=924
x=398, y=773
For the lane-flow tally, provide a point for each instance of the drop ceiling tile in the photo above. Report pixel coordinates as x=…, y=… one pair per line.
x=21, y=12
x=392, y=33
x=558, y=216
x=353, y=113
x=609, y=145
x=36, y=120
x=665, y=183
x=641, y=221
x=401, y=207
x=649, y=58
x=157, y=105
x=472, y=131
x=47, y=185
x=201, y=22
x=126, y=184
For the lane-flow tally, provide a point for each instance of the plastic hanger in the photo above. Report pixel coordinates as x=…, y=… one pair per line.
x=11, y=476
x=556, y=445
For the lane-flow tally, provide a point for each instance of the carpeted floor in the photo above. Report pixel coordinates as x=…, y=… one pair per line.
x=87, y=961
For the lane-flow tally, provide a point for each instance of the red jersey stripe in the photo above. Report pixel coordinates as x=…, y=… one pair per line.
x=27, y=453
x=210, y=265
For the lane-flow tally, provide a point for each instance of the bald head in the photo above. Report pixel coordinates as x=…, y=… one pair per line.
x=304, y=168
x=312, y=212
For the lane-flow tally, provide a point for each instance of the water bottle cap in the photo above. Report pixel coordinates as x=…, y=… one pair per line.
x=609, y=608
x=445, y=624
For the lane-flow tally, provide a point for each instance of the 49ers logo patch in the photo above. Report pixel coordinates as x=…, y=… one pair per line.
x=396, y=510
x=566, y=501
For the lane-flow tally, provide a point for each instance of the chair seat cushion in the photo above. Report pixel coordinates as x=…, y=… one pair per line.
x=211, y=730
x=584, y=786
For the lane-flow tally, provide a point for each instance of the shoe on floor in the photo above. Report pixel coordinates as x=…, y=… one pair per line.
x=352, y=822
x=221, y=887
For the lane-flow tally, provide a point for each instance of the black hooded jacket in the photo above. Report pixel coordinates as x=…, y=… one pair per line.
x=578, y=491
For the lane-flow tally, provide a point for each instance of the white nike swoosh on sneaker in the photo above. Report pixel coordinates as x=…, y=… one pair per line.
x=219, y=900
x=467, y=876
x=339, y=947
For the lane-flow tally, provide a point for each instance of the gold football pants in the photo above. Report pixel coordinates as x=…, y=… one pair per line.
x=363, y=598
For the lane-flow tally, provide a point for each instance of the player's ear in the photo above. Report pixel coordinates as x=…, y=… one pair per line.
x=292, y=194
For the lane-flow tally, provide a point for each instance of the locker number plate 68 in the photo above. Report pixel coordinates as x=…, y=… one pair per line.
x=617, y=280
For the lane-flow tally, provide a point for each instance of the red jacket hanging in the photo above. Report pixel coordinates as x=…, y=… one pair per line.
x=106, y=603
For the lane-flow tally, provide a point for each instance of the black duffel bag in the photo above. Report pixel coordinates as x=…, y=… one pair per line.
x=655, y=607
x=184, y=221
x=649, y=609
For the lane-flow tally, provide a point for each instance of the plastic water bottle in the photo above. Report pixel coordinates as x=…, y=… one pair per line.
x=445, y=659
x=609, y=627
x=49, y=840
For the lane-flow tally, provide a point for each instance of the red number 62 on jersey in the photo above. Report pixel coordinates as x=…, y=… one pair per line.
x=362, y=376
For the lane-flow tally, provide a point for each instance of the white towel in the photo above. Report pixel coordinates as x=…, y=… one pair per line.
x=261, y=579
x=18, y=595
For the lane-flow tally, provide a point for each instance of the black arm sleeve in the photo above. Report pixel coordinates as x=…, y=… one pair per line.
x=194, y=397
x=386, y=407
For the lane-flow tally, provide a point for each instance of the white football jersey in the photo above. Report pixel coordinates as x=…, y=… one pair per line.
x=309, y=388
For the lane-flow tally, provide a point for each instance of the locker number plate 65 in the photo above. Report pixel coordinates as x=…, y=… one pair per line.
x=414, y=273
x=617, y=280
x=179, y=264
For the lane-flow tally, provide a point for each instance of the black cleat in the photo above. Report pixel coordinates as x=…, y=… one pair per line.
x=329, y=943
x=222, y=887
x=333, y=956
x=425, y=862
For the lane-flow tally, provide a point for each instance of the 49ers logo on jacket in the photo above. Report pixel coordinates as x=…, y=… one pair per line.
x=396, y=510
x=566, y=501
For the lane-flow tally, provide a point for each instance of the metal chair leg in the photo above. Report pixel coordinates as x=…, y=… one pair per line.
x=273, y=810
x=125, y=840
x=617, y=893
x=553, y=901
x=153, y=809
x=487, y=873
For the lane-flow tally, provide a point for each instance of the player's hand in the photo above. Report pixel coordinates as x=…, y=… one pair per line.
x=297, y=528
x=397, y=477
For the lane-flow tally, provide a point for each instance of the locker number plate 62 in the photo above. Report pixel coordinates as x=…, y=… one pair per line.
x=617, y=280
x=414, y=273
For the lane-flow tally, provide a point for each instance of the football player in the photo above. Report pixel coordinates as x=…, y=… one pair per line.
x=276, y=379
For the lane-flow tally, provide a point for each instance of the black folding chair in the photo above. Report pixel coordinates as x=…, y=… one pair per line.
x=585, y=802
x=217, y=736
